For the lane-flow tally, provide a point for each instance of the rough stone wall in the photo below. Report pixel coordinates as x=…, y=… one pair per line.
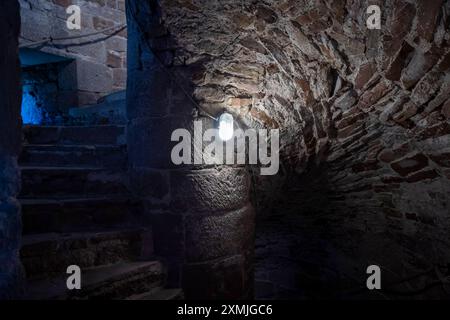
x=364, y=116
x=10, y=222
x=202, y=219
x=100, y=66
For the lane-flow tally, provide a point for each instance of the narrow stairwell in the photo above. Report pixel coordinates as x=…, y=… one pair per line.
x=77, y=210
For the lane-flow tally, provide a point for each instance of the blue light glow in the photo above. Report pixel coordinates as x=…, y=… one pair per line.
x=31, y=113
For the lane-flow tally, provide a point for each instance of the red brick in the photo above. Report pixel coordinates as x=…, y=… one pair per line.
x=365, y=73
x=409, y=165
x=422, y=175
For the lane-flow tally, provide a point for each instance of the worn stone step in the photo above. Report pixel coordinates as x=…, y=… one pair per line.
x=73, y=155
x=48, y=254
x=111, y=112
x=75, y=135
x=71, y=215
x=56, y=182
x=116, y=96
x=159, y=294
x=116, y=281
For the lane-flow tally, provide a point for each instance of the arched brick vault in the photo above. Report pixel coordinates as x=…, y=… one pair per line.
x=364, y=114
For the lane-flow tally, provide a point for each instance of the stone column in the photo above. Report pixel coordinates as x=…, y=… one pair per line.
x=203, y=222
x=10, y=137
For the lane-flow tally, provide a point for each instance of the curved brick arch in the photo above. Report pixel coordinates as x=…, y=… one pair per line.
x=363, y=113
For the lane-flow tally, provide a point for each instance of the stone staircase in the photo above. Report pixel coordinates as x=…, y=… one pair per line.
x=76, y=210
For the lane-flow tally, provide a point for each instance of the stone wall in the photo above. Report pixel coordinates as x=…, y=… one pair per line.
x=10, y=222
x=202, y=220
x=100, y=65
x=364, y=116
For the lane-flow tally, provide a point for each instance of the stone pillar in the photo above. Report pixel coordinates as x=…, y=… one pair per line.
x=10, y=137
x=203, y=222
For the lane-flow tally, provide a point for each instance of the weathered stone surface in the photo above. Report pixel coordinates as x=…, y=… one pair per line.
x=400, y=61
x=116, y=281
x=219, y=235
x=366, y=72
x=174, y=196
x=410, y=164
x=11, y=274
x=218, y=279
x=446, y=109
x=210, y=190
x=85, y=250
x=51, y=182
x=93, y=76
x=420, y=64
x=45, y=19
x=360, y=111
x=427, y=15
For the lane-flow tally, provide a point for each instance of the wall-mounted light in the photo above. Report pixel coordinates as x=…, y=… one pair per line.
x=226, y=126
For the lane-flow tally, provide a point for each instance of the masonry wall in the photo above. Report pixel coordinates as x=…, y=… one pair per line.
x=364, y=124
x=10, y=137
x=100, y=66
x=202, y=218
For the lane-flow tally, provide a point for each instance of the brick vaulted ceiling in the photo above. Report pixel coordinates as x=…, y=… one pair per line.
x=364, y=114
x=314, y=70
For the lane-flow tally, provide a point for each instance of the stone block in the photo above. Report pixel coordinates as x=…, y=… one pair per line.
x=87, y=98
x=94, y=77
x=446, y=109
x=35, y=25
x=410, y=164
x=401, y=59
x=119, y=78
x=365, y=73
x=420, y=64
x=63, y=3
x=218, y=279
x=427, y=16
x=219, y=235
x=101, y=23
x=96, y=51
x=116, y=43
x=114, y=59
x=209, y=191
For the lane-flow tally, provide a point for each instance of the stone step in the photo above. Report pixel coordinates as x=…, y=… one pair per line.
x=56, y=182
x=75, y=135
x=73, y=155
x=48, y=254
x=74, y=215
x=116, y=281
x=115, y=96
x=159, y=294
x=111, y=112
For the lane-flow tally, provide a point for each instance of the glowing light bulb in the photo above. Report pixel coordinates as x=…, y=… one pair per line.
x=226, y=128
